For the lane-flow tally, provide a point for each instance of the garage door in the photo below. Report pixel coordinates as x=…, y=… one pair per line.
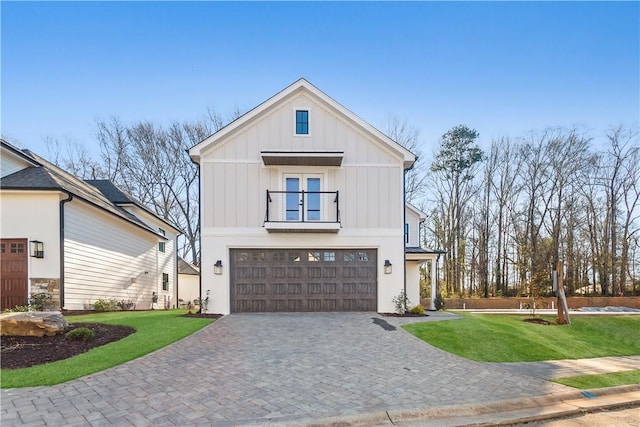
x=267, y=280
x=13, y=269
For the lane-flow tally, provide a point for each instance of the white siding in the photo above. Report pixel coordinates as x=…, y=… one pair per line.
x=10, y=163
x=188, y=287
x=413, y=222
x=107, y=258
x=166, y=260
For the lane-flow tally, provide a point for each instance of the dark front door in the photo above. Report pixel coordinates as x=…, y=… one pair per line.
x=301, y=280
x=13, y=269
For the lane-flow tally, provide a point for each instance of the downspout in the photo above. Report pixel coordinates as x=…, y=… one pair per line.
x=200, y=228
x=404, y=237
x=61, y=216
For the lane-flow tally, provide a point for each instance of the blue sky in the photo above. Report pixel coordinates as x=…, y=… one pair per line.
x=503, y=68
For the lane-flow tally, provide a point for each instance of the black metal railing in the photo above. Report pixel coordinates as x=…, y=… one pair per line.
x=303, y=206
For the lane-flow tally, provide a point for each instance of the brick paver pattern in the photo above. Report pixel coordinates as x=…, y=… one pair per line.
x=273, y=368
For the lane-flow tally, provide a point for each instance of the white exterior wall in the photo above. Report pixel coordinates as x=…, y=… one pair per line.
x=188, y=287
x=413, y=282
x=166, y=261
x=107, y=258
x=413, y=220
x=34, y=215
x=10, y=163
x=234, y=181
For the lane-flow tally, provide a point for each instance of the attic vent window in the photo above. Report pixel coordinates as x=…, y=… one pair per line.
x=302, y=122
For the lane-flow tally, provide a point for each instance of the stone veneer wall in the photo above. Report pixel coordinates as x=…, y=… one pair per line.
x=50, y=287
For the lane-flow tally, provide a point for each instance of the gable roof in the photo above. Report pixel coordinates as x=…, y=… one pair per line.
x=298, y=86
x=185, y=267
x=46, y=176
x=421, y=215
x=19, y=153
x=120, y=197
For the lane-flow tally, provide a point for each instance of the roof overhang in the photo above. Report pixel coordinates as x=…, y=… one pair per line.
x=302, y=158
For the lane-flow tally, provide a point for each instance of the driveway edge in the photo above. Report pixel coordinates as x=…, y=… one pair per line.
x=500, y=413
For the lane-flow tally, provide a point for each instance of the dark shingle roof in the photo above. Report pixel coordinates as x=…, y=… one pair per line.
x=48, y=176
x=187, y=268
x=111, y=192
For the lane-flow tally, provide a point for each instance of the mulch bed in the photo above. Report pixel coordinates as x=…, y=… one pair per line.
x=537, y=321
x=203, y=315
x=404, y=315
x=24, y=352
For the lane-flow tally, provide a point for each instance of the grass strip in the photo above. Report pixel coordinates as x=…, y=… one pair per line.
x=154, y=330
x=584, y=382
x=508, y=338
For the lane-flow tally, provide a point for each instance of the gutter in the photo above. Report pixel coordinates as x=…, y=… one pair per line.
x=61, y=217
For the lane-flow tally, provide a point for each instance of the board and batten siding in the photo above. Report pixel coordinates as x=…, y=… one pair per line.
x=235, y=179
x=107, y=258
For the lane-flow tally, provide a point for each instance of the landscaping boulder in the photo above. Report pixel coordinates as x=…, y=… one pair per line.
x=32, y=324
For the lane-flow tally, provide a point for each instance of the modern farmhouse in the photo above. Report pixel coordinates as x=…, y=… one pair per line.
x=302, y=209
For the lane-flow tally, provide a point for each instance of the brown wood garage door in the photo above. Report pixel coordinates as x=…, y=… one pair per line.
x=13, y=269
x=297, y=280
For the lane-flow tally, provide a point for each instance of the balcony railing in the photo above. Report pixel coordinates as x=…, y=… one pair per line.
x=303, y=207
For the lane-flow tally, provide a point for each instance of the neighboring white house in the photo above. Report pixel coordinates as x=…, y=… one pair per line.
x=302, y=209
x=79, y=241
x=188, y=283
x=416, y=257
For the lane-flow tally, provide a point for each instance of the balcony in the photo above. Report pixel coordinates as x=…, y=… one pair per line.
x=302, y=212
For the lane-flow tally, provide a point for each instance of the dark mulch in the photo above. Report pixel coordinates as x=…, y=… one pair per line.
x=24, y=352
x=404, y=315
x=537, y=321
x=203, y=315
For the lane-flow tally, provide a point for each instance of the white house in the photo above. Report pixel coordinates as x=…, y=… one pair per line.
x=79, y=241
x=302, y=209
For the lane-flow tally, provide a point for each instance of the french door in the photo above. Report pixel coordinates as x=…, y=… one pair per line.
x=302, y=200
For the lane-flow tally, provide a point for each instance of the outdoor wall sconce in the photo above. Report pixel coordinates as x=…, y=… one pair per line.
x=217, y=267
x=37, y=249
x=387, y=266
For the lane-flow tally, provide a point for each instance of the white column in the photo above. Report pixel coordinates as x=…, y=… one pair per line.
x=432, y=278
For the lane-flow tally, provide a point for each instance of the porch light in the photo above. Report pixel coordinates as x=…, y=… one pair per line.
x=387, y=266
x=37, y=249
x=217, y=267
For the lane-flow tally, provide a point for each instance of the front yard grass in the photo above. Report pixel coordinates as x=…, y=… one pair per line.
x=154, y=330
x=585, y=382
x=507, y=338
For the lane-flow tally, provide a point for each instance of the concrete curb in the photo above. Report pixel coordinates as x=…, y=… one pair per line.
x=501, y=413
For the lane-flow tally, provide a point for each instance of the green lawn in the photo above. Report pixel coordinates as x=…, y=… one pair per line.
x=585, y=382
x=154, y=330
x=504, y=338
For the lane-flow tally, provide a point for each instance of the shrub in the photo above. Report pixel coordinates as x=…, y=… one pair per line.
x=106, y=305
x=401, y=302
x=39, y=301
x=418, y=310
x=17, y=309
x=80, y=334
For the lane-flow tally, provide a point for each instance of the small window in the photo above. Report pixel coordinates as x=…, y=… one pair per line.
x=314, y=256
x=349, y=256
x=257, y=256
x=17, y=248
x=2, y=248
x=406, y=233
x=278, y=256
x=165, y=281
x=302, y=122
x=329, y=256
x=161, y=245
x=363, y=256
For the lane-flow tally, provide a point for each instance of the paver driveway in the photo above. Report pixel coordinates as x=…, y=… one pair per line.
x=260, y=368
